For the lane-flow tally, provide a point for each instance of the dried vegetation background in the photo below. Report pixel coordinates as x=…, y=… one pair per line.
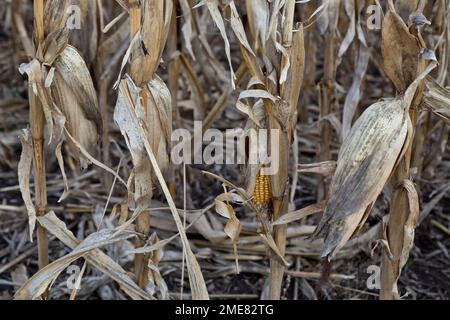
x=86, y=117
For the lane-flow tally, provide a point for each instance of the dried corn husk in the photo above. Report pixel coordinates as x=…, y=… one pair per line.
x=56, y=15
x=401, y=52
x=74, y=93
x=366, y=160
x=153, y=35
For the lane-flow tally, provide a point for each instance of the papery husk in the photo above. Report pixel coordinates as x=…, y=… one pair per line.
x=401, y=52
x=74, y=93
x=251, y=170
x=366, y=161
x=55, y=16
x=148, y=49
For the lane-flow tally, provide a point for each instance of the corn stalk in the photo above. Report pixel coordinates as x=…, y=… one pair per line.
x=280, y=181
x=143, y=220
x=327, y=87
x=37, y=123
x=282, y=58
x=404, y=209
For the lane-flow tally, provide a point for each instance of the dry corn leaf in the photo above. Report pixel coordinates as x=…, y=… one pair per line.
x=325, y=169
x=400, y=51
x=300, y=214
x=213, y=7
x=129, y=99
x=38, y=90
x=350, y=10
x=159, y=121
x=233, y=227
x=297, y=70
x=355, y=93
x=54, y=44
x=59, y=158
x=398, y=249
x=437, y=99
x=24, y=172
x=247, y=52
x=246, y=109
x=258, y=20
x=411, y=222
x=133, y=128
x=186, y=29
x=45, y=277
x=96, y=257
x=329, y=15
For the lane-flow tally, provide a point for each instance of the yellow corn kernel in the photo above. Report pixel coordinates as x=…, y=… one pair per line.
x=262, y=194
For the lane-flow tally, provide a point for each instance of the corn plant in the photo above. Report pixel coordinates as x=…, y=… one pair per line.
x=338, y=111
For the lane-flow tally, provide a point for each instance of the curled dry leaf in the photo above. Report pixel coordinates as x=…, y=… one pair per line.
x=411, y=222
x=328, y=19
x=246, y=109
x=24, y=172
x=366, y=160
x=398, y=249
x=437, y=99
x=38, y=90
x=233, y=226
x=159, y=120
